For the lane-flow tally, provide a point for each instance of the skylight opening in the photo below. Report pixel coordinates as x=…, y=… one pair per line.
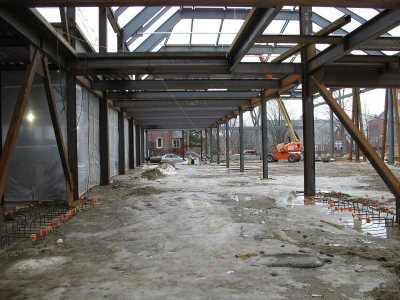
x=51, y=14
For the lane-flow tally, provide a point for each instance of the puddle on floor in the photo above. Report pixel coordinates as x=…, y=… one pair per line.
x=360, y=217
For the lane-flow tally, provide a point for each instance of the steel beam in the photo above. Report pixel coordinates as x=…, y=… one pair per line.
x=259, y=3
x=103, y=29
x=138, y=33
x=48, y=87
x=379, y=165
x=385, y=123
x=138, y=21
x=195, y=95
x=180, y=103
x=254, y=25
x=375, y=27
x=233, y=84
x=154, y=40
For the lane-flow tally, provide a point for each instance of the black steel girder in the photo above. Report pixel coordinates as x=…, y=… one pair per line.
x=232, y=84
x=254, y=25
x=195, y=95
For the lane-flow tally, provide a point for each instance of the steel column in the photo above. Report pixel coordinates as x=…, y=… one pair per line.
x=142, y=146
x=121, y=143
x=131, y=144
x=206, y=142
x=72, y=136
x=103, y=29
x=104, y=142
x=227, y=143
x=332, y=134
x=137, y=144
x=201, y=145
x=264, y=135
x=308, y=106
x=241, y=140
x=379, y=165
x=390, y=127
x=218, y=146
x=385, y=117
x=1, y=150
x=396, y=121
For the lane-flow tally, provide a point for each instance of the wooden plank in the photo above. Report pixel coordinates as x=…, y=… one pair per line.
x=16, y=121
x=48, y=87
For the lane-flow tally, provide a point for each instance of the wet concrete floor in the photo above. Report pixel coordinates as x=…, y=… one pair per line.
x=205, y=232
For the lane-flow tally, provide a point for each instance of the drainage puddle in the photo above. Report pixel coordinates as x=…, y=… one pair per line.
x=366, y=216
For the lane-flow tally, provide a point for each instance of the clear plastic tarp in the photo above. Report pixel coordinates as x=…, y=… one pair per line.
x=113, y=140
x=36, y=172
x=88, y=132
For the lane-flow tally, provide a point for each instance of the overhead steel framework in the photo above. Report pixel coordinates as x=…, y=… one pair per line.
x=159, y=84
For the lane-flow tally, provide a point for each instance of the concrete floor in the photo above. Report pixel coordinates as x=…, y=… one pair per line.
x=176, y=237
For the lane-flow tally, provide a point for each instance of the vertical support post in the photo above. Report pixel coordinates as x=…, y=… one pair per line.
x=71, y=23
x=308, y=105
x=104, y=142
x=121, y=143
x=264, y=135
x=103, y=29
x=396, y=121
x=137, y=146
x=391, y=127
x=131, y=126
x=212, y=145
x=201, y=145
x=385, y=117
x=16, y=121
x=227, y=144
x=357, y=120
x=353, y=119
x=206, y=142
x=218, y=146
x=332, y=134
x=142, y=146
x=241, y=140
x=72, y=133
x=1, y=150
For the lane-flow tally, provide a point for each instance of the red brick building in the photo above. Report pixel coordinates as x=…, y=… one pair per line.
x=160, y=142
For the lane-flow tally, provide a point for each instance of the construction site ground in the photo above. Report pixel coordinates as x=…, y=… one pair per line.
x=207, y=232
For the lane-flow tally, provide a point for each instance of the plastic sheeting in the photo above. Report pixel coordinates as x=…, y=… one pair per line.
x=126, y=140
x=87, y=110
x=36, y=171
x=113, y=139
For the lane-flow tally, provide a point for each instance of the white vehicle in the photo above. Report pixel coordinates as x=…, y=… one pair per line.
x=172, y=158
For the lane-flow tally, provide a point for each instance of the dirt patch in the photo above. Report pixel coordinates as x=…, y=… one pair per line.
x=144, y=191
x=152, y=174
